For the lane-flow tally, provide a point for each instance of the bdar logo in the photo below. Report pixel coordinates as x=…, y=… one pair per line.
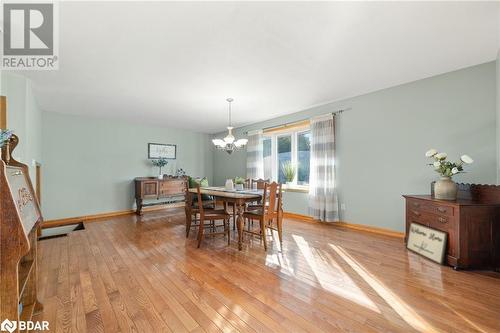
x=8, y=325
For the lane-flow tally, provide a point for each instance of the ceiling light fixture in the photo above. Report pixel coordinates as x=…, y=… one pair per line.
x=229, y=143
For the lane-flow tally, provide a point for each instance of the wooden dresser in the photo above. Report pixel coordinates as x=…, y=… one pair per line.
x=472, y=223
x=171, y=189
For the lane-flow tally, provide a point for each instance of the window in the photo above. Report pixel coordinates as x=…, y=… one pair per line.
x=303, y=157
x=284, y=155
x=291, y=147
x=268, y=159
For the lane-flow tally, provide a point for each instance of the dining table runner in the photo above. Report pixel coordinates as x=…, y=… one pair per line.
x=223, y=189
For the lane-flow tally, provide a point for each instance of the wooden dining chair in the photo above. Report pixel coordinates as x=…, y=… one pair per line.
x=211, y=215
x=268, y=214
x=191, y=208
x=261, y=183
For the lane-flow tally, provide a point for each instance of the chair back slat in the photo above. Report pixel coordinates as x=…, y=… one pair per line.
x=273, y=193
x=188, y=195
x=260, y=183
x=200, y=202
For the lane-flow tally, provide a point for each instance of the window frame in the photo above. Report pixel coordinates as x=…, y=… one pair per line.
x=294, y=134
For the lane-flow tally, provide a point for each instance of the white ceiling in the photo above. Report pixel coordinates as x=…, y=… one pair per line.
x=174, y=63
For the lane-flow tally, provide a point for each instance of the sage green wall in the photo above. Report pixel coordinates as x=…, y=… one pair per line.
x=381, y=142
x=498, y=110
x=24, y=118
x=90, y=162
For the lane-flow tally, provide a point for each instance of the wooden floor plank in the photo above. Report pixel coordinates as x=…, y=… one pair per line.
x=140, y=274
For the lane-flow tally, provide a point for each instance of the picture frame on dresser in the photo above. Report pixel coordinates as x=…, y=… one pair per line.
x=162, y=150
x=429, y=243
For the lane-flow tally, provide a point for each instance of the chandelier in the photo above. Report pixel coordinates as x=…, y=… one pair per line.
x=229, y=143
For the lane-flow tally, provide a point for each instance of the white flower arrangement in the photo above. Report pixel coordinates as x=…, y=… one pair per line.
x=446, y=168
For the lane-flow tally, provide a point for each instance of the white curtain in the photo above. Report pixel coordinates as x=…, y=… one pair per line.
x=323, y=203
x=255, y=159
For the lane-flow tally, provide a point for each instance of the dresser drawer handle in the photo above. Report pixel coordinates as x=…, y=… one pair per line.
x=415, y=213
x=442, y=220
x=416, y=204
x=441, y=210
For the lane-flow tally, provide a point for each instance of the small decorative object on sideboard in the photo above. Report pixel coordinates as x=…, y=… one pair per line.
x=180, y=172
x=239, y=183
x=160, y=163
x=289, y=172
x=445, y=188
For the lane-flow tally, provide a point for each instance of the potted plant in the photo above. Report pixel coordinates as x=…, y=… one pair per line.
x=239, y=183
x=289, y=172
x=4, y=137
x=160, y=163
x=445, y=188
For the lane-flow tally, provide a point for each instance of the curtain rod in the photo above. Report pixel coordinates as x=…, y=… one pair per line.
x=299, y=121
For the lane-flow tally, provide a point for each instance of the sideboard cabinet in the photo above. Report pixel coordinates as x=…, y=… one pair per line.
x=472, y=223
x=171, y=189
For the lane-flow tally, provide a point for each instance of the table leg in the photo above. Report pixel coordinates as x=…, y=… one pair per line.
x=240, y=224
x=138, y=202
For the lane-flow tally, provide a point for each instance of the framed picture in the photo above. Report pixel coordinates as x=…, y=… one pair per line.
x=427, y=242
x=160, y=150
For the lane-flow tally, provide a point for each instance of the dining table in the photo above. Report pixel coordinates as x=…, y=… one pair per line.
x=238, y=197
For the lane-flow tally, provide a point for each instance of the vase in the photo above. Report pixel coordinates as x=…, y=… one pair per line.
x=229, y=184
x=160, y=176
x=445, y=189
x=238, y=187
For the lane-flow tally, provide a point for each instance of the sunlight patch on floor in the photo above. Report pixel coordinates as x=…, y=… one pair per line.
x=402, y=309
x=278, y=260
x=332, y=277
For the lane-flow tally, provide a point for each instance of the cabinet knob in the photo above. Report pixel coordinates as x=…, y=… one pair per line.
x=441, y=210
x=416, y=204
x=416, y=213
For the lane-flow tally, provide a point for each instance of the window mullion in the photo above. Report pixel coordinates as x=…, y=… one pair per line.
x=274, y=153
x=294, y=155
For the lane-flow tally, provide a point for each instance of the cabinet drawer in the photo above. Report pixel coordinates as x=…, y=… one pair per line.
x=177, y=184
x=430, y=207
x=440, y=222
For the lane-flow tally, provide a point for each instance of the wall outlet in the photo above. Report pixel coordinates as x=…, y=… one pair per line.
x=342, y=206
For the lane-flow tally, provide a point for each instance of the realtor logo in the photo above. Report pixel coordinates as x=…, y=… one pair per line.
x=30, y=33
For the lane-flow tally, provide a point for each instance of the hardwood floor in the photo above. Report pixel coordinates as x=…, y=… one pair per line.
x=140, y=274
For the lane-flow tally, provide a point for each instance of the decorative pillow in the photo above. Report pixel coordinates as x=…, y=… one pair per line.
x=203, y=183
x=195, y=181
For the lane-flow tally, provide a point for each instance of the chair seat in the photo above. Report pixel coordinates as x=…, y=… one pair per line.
x=216, y=214
x=208, y=203
x=254, y=213
x=254, y=206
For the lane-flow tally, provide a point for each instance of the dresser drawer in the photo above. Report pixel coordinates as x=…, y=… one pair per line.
x=440, y=222
x=171, y=187
x=430, y=207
